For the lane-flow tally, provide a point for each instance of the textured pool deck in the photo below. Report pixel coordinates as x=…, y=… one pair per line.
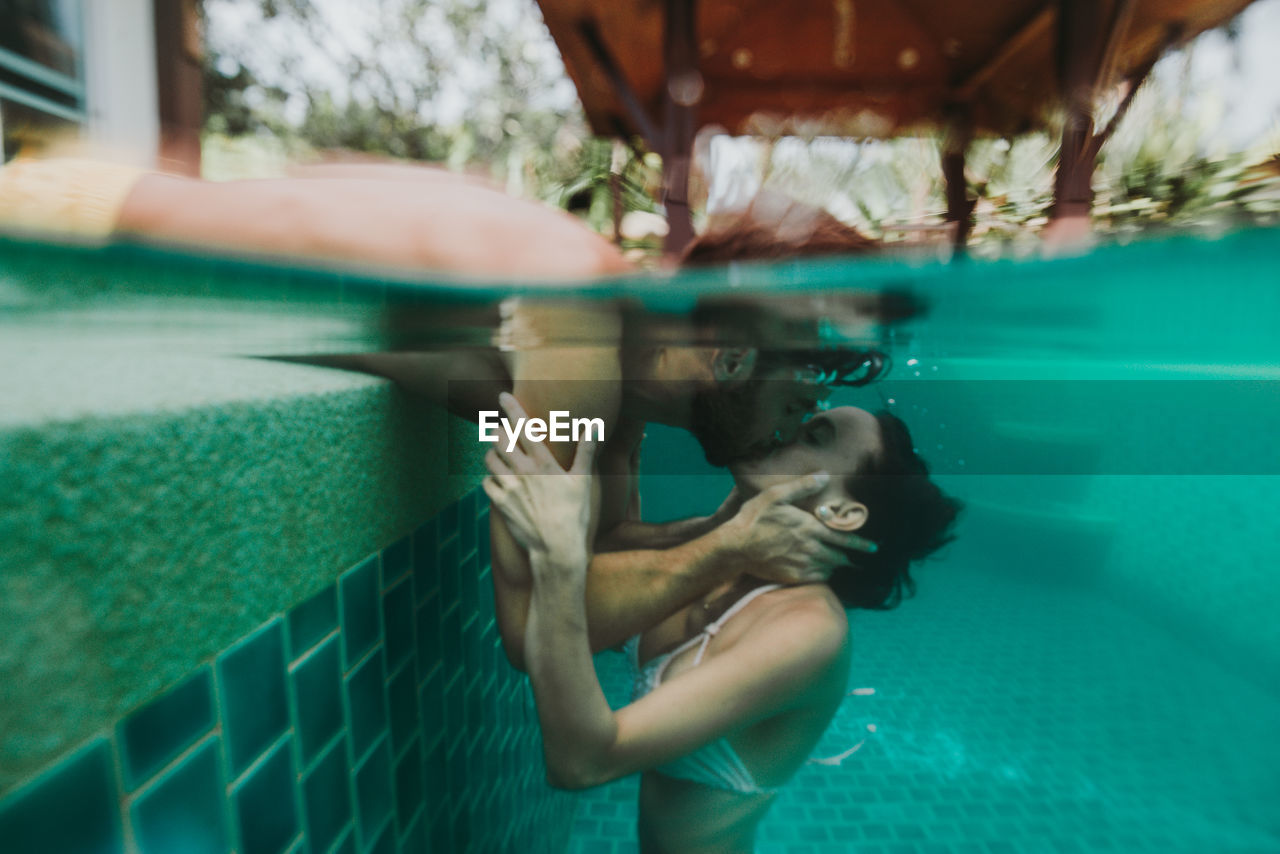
x=1015, y=717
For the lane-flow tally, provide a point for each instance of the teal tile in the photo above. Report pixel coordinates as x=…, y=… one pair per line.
x=482, y=535
x=451, y=637
x=185, y=810
x=348, y=845
x=327, y=799
x=72, y=809
x=467, y=523
x=455, y=710
x=415, y=839
x=264, y=802
x=317, y=690
x=255, y=711
x=442, y=835
x=386, y=842
x=402, y=706
x=429, y=649
x=366, y=700
x=311, y=621
x=397, y=619
x=431, y=707
x=448, y=521
x=435, y=767
x=473, y=654
x=447, y=571
x=154, y=735
x=361, y=611
x=374, y=800
x=409, y=789
x=458, y=770
x=425, y=545
x=462, y=829
x=397, y=560
x=470, y=571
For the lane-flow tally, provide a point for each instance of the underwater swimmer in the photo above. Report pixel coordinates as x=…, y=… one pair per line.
x=733, y=691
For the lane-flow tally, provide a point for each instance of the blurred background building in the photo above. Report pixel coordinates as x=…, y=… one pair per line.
x=123, y=75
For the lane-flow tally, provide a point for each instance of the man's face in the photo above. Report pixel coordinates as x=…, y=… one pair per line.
x=750, y=419
x=838, y=442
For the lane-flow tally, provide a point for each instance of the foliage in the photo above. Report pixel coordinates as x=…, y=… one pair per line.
x=478, y=85
x=460, y=83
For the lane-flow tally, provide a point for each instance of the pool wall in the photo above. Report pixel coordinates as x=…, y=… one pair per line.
x=258, y=618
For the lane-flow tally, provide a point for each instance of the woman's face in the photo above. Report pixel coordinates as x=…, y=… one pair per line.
x=837, y=441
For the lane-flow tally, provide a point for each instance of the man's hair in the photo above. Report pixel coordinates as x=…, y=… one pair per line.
x=908, y=518
x=774, y=228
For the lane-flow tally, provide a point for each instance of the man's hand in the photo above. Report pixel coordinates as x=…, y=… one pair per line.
x=785, y=544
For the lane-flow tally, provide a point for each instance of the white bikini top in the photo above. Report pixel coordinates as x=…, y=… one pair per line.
x=716, y=764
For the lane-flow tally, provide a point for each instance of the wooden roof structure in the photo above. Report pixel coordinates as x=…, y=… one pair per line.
x=662, y=69
x=897, y=64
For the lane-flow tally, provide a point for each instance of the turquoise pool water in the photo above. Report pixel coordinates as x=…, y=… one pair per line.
x=1093, y=666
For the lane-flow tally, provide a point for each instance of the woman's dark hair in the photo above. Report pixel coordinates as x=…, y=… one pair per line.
x=909, y=518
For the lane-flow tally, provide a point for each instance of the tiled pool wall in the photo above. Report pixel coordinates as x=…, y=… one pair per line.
x=378, y=715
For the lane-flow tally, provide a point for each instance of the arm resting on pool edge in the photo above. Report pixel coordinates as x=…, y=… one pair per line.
x=459, y=227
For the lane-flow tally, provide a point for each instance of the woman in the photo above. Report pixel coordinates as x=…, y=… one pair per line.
x=733, y=691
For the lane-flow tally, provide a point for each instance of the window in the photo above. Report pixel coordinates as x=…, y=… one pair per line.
x=41, y=70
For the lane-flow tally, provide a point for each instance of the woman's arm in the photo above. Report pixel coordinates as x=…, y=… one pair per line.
x=779, y=666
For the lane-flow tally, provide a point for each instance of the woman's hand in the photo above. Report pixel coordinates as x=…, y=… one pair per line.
x=547, y=509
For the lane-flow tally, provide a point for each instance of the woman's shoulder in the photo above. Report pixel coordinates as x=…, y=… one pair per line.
x=808, y=615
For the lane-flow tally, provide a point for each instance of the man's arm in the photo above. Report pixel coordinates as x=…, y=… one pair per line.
x=629, y=592
x=456, y=226
x=634, y=534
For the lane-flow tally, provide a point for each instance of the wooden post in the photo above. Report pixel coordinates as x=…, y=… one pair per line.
x=180, y=79
x=682, y=91
x=956, y=137
x=1082, y=33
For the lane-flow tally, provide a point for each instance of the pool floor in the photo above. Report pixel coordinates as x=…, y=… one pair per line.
x=1014, y=717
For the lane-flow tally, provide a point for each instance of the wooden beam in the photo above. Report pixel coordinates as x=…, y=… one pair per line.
x=682, y=90
x=1036, y=26
x=1135, y=80
x=1117, y=29
x=1080, y=41
x=179, y=83
x=590, y=34
x=957, y=135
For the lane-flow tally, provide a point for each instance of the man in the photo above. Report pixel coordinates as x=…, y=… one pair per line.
x=740, y=400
